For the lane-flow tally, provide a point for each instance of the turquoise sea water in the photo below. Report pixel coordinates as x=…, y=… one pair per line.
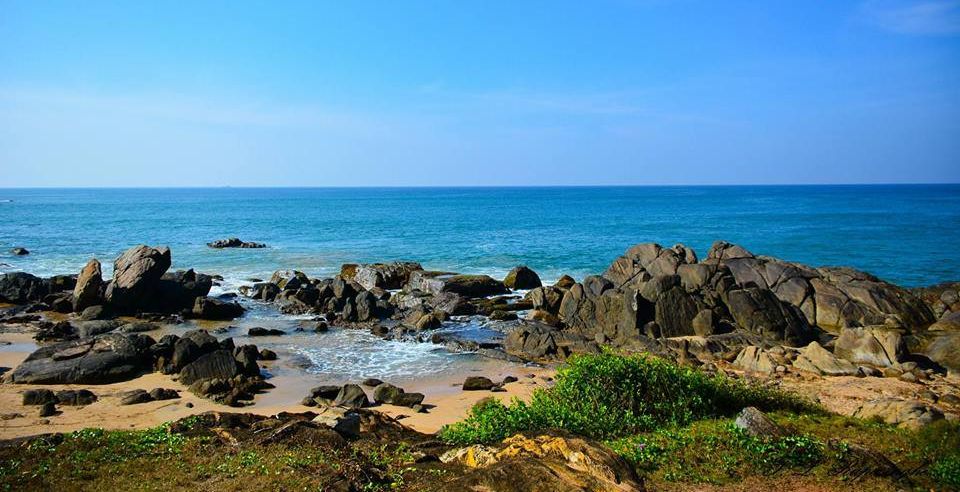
x=903, y=233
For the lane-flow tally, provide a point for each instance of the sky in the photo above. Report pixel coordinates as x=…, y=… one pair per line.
x=478, y=93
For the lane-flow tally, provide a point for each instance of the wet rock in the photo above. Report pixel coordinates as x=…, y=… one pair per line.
x=500, y=315
x=89, y=287
x=19, y=251
x=259, y=331
x=215, y=309
x=138, y=327
x=234, y=242
x=86, y=329
x=522, y=277
x=92, y=313
x=371, y=382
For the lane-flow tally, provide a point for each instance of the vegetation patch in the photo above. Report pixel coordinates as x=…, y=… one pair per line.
x=606, y=396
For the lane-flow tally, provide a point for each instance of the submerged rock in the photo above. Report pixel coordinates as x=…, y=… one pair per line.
x=234, y=242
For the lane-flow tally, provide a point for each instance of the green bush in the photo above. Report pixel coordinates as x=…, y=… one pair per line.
x=609, y=395
x=946, y=471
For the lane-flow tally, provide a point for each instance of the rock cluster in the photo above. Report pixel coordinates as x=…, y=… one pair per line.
x=140, y=284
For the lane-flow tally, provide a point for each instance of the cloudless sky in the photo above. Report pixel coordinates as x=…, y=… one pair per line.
x=287, y=93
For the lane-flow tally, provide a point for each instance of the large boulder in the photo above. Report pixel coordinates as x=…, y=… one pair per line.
x=105, y=359
x=876, y=346
x=522, y=277
x=21, y=288
x=89, y=287
x=943, y=348
x=385, y=275
x=136, y=274
x=645, y=261
x=546, y=299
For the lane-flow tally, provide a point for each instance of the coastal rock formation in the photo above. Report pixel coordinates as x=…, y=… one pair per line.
x=234, y=242
x=464, y=285
x=101, y=360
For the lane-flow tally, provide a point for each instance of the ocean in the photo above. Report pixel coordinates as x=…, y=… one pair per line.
x=907, y=234
x=904, y=234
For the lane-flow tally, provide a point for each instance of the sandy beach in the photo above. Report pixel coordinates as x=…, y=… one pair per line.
x=449, y=402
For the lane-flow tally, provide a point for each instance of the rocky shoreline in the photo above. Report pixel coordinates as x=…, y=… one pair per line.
x=733, y=311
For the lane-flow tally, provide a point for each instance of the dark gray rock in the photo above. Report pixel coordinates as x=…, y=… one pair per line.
x=478, y=383
x=136, y=274
x=259, y=331
x=215, y=309
x=234, y=242
x=351, y=396
x=39, y=397
x=79, y=397
x=105, y=359
x=22, y=288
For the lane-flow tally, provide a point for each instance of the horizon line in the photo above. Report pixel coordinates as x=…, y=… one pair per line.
x=698, y=185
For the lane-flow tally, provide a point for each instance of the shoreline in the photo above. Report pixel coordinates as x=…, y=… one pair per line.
x=449, y=402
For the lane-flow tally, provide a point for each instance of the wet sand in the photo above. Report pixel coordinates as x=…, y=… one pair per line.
x=450, y=403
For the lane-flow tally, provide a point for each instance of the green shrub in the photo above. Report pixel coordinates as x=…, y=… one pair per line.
x=609, y=395
x=946, y=471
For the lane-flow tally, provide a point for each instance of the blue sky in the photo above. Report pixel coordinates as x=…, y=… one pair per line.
x=478, y=93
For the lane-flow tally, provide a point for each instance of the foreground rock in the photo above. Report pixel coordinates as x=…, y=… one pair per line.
x=89, y=289
x=545, y=463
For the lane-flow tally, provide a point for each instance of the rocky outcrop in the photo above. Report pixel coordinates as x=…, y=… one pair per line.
x=522, y=277
x=829, y=297
x=234, y=242
x=101, y=360
x=135, y=276
x=541, y=342
x=89, y=287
